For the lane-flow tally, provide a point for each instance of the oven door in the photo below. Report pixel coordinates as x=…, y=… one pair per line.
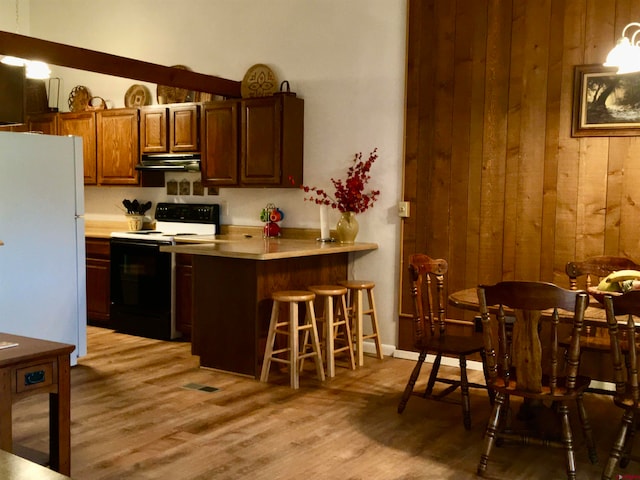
x=141, y=288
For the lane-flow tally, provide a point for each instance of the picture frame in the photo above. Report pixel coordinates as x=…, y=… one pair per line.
x=605, y=104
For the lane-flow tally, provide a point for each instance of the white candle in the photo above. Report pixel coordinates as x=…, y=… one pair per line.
x=324, y=225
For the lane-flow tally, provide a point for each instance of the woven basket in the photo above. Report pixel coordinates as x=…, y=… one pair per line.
x=101, y=105
x=79, y=98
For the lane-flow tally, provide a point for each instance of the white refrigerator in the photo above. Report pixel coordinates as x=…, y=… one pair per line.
x=42, y=261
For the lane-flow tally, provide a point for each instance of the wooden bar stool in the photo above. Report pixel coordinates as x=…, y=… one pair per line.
x=357, y=313
x=334, y=316
x=292, y=355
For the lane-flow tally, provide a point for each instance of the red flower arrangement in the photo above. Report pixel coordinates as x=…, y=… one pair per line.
x=349, y=196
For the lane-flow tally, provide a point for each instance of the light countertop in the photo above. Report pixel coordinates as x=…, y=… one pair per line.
x=239, y=246
x=242, y=242
x=103, y=229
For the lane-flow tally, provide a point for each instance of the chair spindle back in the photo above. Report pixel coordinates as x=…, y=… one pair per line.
x=622, y=335
x=427, y=289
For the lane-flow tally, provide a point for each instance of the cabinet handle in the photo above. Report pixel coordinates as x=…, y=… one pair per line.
x=32, y=378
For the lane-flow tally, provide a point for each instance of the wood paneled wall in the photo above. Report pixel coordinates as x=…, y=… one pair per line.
x=497, y=184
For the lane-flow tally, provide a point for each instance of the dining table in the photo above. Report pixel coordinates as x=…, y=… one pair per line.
x=594, y=322
x=594, y=315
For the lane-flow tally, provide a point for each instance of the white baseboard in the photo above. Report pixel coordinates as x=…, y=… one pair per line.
x=475, y=365
x=449, y=361
x=370, y=347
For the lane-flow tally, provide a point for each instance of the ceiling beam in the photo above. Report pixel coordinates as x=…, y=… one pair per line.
x=99, y=62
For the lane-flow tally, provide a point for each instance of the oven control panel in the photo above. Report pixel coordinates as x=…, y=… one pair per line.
x=188, y=213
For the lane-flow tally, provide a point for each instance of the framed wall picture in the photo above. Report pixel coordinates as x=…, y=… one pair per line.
x=605, y=104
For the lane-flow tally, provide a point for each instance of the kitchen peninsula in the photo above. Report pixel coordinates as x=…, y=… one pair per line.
x=233, y=277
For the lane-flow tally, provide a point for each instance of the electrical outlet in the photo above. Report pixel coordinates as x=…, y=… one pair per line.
x=403, y=209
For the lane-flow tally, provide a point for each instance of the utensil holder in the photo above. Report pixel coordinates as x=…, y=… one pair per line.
x=135, y=222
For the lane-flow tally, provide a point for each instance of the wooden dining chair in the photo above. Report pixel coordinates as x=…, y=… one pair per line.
x=527, y=364
x=430, y=336
x=594, y=269
x=589, y=273
x=625, y=367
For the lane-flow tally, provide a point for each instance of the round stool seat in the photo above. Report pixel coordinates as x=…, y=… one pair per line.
x=293, y=296
x=328, y=289
x=359, y=290
x=357, y=284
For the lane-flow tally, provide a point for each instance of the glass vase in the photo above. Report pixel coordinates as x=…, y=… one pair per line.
x=347, y=227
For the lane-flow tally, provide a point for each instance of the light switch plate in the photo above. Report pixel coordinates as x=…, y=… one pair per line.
x=403, y=209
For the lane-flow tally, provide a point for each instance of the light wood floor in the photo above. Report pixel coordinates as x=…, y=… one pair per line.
x=133, y=419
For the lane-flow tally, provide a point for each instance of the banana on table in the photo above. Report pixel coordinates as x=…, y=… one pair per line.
x=620, y=281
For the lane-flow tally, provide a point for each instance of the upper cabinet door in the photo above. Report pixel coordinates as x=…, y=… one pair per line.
x=271, y=148
x=82, y=124
x=46, y=123
x=184, y=131
x=171, y=128
x=154, y=130
x=261, y=147
x=118, y=146
x=219, y=140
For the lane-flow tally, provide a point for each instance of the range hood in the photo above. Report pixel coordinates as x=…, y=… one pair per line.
x=170, y=162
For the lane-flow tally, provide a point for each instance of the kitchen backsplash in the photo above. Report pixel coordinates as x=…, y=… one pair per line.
x=238, y=206
x=106, y=202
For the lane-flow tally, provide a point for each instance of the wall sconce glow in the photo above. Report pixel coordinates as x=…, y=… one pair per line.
x=625, y=56
x=35, y=69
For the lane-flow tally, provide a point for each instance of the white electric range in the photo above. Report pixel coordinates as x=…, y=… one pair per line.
x=174, y=219
x=143, y=293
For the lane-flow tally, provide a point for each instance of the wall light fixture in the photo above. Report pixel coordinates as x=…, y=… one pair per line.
x=35, y=69
x=625, y=56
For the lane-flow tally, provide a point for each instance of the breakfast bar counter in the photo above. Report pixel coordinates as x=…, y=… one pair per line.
x=233, y=277
x=252, y=248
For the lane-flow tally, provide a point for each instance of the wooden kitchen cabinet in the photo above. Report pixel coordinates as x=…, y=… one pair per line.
x=271, y=141
x=184, y=128
x=17, y=127
x=184, y=294
x=170, y=129
x=255, y=142
x=98, y=280
x=154, y=127
x=46, y=123
x=117, y=146
x=83, y=124
x=219, y=134
x=109, y=144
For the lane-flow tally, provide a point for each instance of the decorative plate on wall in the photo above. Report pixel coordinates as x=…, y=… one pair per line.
x=173, y=94
x=259, y=81
x=137, y=96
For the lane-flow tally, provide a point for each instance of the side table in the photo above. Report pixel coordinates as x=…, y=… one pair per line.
x=38, y=366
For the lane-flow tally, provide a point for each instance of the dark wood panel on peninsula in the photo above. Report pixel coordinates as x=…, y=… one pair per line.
x=232, y=304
